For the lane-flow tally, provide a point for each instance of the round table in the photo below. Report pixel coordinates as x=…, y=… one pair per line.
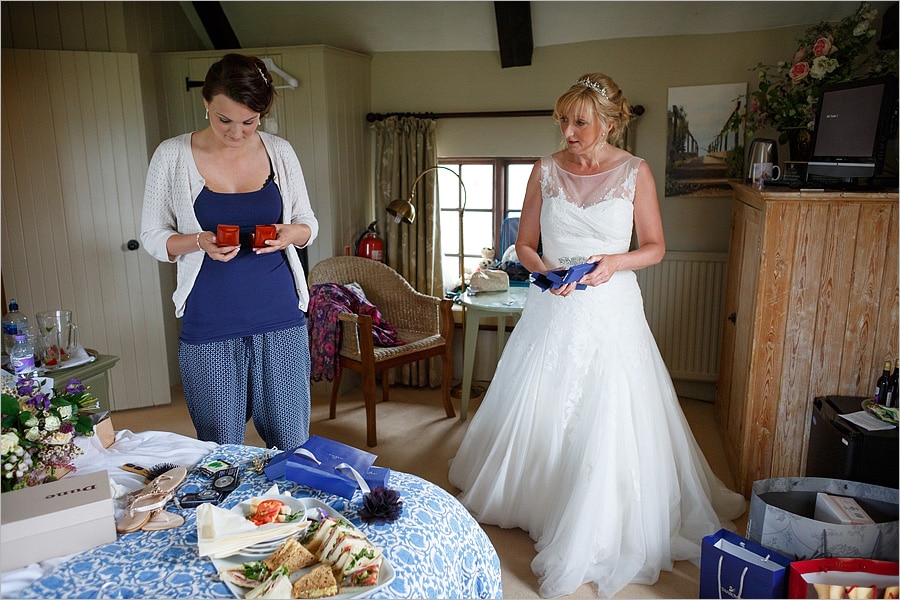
x=504, y=304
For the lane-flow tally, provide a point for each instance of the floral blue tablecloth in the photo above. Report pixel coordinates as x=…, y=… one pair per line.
x=436, y=548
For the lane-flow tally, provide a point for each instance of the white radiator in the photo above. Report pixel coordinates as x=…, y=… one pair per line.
x=683, y=297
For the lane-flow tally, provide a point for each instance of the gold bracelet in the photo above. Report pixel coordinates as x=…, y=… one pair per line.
x=198, y=243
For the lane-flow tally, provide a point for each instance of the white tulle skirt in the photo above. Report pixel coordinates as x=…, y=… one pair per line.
x=580, y=441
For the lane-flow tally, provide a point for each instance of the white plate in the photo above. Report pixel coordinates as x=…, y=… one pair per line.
x=269, y=546
x=385, y=574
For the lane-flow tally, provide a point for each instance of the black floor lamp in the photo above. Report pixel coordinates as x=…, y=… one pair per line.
x=405, y=210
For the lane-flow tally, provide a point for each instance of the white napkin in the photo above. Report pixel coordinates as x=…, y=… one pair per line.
x=222, y=532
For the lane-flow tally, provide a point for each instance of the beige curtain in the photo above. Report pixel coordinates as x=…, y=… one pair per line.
x=404, y=147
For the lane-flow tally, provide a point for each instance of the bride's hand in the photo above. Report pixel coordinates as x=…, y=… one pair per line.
x=605, y=266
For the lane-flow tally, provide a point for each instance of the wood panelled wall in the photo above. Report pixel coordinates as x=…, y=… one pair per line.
x=98, y=26
x=73, y=171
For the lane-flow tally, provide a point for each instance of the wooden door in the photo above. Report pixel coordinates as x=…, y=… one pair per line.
x=740, y=308
x=73, y=169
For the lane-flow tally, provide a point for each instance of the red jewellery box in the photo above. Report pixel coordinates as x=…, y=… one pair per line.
x=262, y=234
x=228, y=235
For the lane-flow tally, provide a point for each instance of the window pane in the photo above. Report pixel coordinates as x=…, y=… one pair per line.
x=517, y=179
x=479, y=180
x=449, y=231
x=478, y=232
x=449, y=190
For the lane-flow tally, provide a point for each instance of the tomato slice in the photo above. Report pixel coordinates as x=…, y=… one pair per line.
x=267, y=511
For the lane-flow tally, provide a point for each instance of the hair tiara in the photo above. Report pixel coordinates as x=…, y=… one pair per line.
x=264, y=77
x=590, y=84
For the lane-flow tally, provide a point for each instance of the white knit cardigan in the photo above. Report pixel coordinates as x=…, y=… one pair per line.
x=173, y=184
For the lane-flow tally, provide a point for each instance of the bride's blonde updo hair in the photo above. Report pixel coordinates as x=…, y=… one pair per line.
x=598, y=93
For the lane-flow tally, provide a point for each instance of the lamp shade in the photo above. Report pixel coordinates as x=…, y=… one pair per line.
x=402, y=210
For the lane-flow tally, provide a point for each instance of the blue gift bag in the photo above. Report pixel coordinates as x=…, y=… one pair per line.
x=732, y=566
x=323, y=464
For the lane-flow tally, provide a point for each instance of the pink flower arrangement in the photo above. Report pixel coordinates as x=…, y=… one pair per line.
x=827, y=53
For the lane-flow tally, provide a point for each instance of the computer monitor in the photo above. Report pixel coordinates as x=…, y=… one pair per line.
x=855, y=123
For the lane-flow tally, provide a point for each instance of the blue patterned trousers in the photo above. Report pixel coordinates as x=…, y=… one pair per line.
x=264, y=376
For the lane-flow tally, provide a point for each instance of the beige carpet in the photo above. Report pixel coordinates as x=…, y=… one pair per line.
x=415, y=436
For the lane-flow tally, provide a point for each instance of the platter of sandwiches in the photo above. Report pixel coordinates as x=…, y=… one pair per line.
x=331, y=559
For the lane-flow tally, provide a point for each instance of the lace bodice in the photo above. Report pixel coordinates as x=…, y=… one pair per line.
x=583, y=215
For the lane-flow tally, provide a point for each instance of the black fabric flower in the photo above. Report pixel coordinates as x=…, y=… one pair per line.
x=381, y=505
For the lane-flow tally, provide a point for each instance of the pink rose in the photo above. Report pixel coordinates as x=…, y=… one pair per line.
x=799, y=71
x=823, y=46
x=800, y=54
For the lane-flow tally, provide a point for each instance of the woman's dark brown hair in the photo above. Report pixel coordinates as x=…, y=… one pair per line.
x=244, y=79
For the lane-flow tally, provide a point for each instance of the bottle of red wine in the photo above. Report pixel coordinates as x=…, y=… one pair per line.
x=883, y=385
x=893, y=387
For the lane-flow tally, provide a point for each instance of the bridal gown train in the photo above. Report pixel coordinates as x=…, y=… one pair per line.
x=580, y=439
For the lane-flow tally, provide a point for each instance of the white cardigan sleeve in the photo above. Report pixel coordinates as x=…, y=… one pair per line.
x=168, y=203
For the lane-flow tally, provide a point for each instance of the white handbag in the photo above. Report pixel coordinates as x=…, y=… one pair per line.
x=489, y=280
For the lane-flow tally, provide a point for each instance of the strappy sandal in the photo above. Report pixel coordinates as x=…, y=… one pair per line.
x=140, y=510
x=143, y=503
x=162, y=519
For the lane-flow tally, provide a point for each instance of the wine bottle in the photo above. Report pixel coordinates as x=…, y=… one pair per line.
x=883, y=384
x=893, y=387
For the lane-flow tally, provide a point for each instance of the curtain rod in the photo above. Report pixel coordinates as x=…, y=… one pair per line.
x=372, y=117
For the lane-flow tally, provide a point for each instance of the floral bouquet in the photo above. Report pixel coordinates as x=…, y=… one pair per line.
x=827, y=53
x=39, y=430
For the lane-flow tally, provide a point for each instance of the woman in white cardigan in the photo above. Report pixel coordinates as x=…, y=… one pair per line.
x=243, y=350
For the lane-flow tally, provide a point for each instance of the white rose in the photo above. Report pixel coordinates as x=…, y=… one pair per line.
x=8, y=442
x=60, y=439
x=33, y=434
x=65, y=411
x=51, y=423
x=821, y=66
x=32, y=422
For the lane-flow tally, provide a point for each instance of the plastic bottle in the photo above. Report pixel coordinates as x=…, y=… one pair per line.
x=883, y=384
x=21, y=356
x=14, y=323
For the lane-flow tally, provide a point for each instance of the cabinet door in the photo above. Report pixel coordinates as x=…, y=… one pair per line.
x=737, y=339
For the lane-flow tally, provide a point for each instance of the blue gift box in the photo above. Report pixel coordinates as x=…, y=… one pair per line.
x=560, y=277
x=325, y=475
x=377, y=476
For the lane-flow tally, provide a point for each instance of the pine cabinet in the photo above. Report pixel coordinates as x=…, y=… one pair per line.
x=811, y=309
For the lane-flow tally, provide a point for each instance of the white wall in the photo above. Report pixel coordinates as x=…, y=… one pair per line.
x=645, y=68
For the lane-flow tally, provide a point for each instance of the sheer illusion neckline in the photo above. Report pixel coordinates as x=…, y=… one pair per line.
x=609, y=170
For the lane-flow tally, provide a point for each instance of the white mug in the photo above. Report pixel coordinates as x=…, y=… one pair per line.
x=763, y=172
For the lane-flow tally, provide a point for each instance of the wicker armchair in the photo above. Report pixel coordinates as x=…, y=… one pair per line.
x=424, y=322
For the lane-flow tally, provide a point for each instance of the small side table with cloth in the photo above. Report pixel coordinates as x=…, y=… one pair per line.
x=436, y=548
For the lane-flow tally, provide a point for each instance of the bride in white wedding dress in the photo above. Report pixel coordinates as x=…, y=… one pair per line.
x=580, y=439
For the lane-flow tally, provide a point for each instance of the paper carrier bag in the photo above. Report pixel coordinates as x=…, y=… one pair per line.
x=732, y=566
x=843, y=578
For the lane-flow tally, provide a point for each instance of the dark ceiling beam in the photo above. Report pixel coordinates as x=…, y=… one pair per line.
x=514, y=33
x=216, y=25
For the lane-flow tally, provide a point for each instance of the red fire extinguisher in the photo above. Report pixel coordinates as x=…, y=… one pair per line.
x=370, y=245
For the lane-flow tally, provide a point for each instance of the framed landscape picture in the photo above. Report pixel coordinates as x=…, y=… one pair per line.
x=705, y=139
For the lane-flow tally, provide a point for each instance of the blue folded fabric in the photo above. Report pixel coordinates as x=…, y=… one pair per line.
x=560, y=277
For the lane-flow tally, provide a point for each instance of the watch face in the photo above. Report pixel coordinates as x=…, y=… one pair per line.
x=223, y=481
x=208, y=495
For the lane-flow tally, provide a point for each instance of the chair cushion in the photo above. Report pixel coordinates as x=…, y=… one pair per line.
x=414, y=343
